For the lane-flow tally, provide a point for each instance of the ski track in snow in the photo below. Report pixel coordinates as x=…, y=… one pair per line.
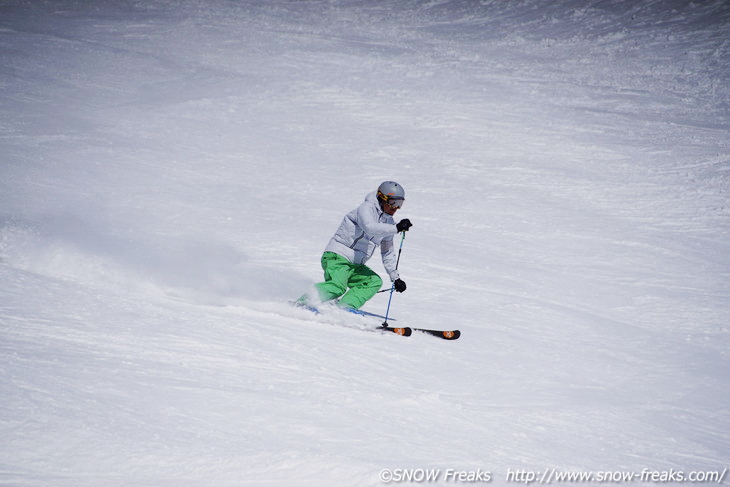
x=171, y=171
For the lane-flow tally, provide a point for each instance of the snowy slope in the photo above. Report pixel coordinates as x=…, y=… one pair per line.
x=170, y=173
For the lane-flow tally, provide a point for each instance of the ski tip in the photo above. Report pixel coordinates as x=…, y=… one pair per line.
x=445, y=334
x=451, y=334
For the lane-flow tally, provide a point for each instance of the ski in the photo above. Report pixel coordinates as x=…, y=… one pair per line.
x=407, y=331
x=367, y=313
x=445, y=334
x=404, y=331
x=317, y=311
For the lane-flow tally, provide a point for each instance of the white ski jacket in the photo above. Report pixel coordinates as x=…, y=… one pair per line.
x=362, y=231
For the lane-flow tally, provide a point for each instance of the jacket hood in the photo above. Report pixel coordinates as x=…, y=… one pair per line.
x=373, y=198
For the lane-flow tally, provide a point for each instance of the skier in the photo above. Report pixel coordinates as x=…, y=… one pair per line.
x=362, y=230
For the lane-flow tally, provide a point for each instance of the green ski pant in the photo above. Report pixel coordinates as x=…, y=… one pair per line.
x=357, y=282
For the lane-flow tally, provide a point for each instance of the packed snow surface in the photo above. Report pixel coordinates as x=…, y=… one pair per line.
x=171, y=170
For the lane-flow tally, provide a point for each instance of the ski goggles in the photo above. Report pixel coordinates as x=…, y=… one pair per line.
x=395, y=202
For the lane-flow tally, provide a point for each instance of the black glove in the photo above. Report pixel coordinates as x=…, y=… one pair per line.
x=399, y=285
x=404, y=225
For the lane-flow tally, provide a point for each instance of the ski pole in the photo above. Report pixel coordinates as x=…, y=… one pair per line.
x=392, y=285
